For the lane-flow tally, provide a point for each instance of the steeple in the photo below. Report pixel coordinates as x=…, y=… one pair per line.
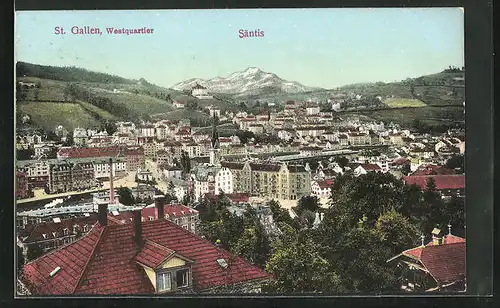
x=215, y=134
x=214, y=149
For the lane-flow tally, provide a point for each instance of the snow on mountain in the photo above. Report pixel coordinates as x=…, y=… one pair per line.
x=248, y=81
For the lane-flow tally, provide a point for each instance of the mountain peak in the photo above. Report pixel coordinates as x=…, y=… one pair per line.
x=253, y=70
x=251, y=80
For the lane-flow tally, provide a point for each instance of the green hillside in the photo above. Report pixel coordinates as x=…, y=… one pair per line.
x=91, y=98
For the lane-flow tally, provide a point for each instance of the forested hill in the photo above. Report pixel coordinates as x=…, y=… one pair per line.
x=72, y=74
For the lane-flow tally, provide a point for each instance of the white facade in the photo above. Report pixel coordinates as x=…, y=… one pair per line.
x=311, y=110
x=148, y=131
x=101, y=168
x=38, y=169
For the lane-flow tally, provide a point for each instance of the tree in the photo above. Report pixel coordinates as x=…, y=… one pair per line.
x=110, y=127
x=125, y=196
x=397, y=232
x=36, y=94
x=297, y=266
x=24, y=154
x=456, y=162
x=192, y=105
x=69, y=140
x=342, y=161
x=405, y=170
x=185, y=163
x=34, y=252
x=310, y=203
x=253, y=244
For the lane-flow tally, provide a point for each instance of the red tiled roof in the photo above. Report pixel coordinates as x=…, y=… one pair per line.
x=446, y=263
x=442, y=181
x=103, y=262
x=153, y=255
x=72, y=259
x=433, y=170
x=370, y=167
x=401, y=161
x=70, y=152
x=325, y=184
x=38, y=230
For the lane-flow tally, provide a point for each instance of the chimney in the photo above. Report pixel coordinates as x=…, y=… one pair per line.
x=436, y=240
x=102, y=213
x=111, y=186
x=138, y=228
x=422, y=237
x=159, y=205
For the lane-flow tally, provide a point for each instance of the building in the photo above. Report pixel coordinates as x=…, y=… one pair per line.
x=134, y=156
x=150, y=257
x=181, y=215
x=200, y=92
x=438, y=266
x=447, y=185
x=365, y=168
x=74, y=175
x=80, y=136
x=278, y=181
x=322, y=188
x=43, y=149
x=46, y=236
x=312, y=108
x=22, y=189
x=102, y=167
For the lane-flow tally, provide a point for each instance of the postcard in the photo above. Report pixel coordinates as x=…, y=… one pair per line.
x=237, y=152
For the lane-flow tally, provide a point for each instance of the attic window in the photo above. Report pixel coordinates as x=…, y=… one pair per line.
x=115, y=213
x=151, y=218
x=66, y=231
x=54, y=234
x=57, y=220
x=222, y=263
x=86, y=214
x=85, y=228
x=44, y=236
x=55, y=271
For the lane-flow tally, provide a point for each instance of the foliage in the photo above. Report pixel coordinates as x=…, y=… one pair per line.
x=125, y=196
x=24, y=154
x=185, y=163
x=66, y=74
x=310, y=203
x=34, y=252
x=282, y=216
x=297, y=266
x=342, y=161
x=456, y=162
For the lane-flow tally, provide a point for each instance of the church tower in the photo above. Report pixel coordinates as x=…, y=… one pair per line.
x=215, y=146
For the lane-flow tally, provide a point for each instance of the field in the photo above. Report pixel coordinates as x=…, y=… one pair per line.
x=403, y=102
x=179, y=114
x=428, y=115
x=48, y=115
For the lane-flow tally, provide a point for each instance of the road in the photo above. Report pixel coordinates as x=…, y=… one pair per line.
x=153, y=167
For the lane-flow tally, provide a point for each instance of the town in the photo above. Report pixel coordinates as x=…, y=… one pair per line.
x=283, y=164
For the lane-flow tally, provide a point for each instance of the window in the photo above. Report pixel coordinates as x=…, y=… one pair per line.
x=163, y=282
x=182, y=278
x=85, y=228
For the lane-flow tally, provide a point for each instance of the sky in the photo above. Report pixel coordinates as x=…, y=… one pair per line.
x=316, y=47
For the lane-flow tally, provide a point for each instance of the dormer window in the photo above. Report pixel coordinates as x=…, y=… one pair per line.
x=66, y=231
x=164, y=282
x=86, y=228
x=44, y=236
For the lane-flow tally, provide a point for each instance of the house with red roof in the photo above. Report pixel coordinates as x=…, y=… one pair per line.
x=322, y=188
x=154, y=257
x=436, y=266
x=448, y=185
x=433, y=170
x=365, y=168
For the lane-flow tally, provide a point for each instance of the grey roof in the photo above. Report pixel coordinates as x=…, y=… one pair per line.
x=201, y=172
